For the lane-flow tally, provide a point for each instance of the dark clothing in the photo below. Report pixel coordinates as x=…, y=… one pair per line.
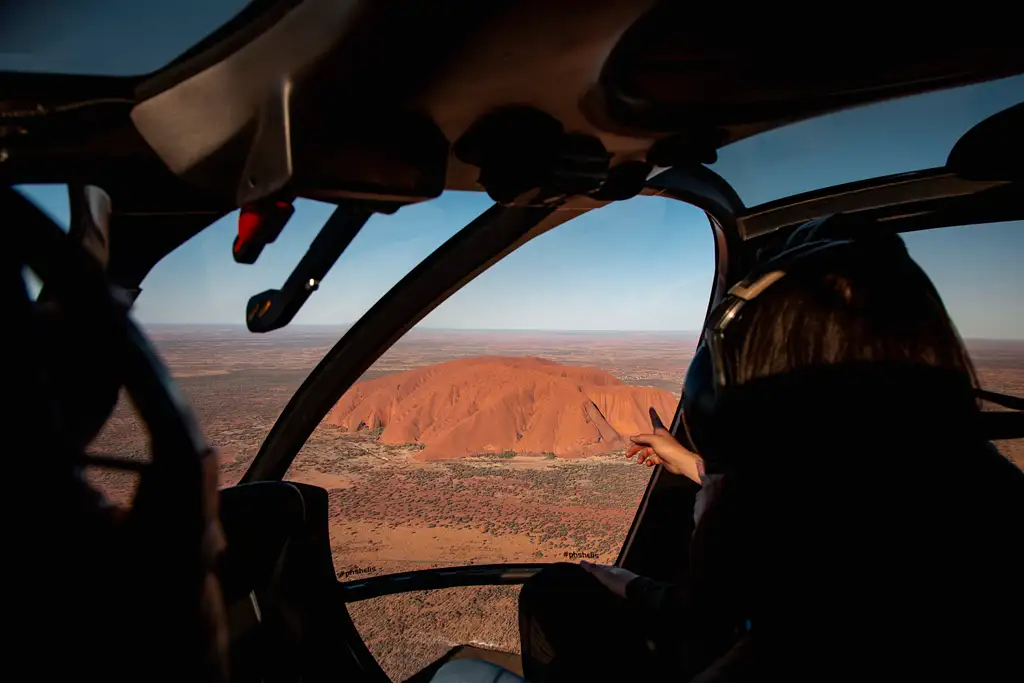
x=574, y=629
x=894, y=563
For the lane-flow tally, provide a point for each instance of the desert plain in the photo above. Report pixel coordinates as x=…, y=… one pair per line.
x=455, y=448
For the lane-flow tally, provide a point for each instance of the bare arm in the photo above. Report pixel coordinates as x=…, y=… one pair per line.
x=661, y=448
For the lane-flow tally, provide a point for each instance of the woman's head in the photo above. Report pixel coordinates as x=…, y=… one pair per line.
x=858, y=305
x=851, y=341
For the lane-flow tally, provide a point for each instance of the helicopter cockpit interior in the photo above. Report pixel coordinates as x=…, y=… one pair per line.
x=296, y=131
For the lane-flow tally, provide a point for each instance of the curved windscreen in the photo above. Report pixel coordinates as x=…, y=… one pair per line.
x=495, y=431
x=897, y=136
x=192, y=306
x=105, y=37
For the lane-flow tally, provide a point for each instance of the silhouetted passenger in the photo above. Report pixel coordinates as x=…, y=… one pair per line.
x=858, y=525
x=98, y=591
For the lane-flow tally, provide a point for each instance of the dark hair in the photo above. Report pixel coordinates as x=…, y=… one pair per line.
x=860, y=308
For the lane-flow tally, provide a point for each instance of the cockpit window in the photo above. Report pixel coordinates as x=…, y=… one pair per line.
x=976, y=269
x=495, y=431
x=192, y=306
x=891, y=137
x=105, y=37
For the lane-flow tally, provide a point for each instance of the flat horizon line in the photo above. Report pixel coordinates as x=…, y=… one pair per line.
x=433, y=329
x=504, y=329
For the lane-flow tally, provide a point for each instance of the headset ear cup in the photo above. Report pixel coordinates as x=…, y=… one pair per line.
x=699, y=405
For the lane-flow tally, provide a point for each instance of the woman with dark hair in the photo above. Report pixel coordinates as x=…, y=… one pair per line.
x=853, y=520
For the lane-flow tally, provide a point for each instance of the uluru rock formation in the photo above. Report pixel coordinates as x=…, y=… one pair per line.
x=494, y=404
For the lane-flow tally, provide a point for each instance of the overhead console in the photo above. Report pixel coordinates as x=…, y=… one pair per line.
x=713, y=78
x=360, y=99
x=527, y=158
x=308, y=94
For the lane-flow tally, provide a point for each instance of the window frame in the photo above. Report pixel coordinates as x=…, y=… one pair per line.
x=495, y=234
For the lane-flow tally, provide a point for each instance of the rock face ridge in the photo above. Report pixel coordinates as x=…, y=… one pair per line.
x=495, y=404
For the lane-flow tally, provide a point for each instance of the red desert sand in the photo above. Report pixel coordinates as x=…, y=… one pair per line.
x=496, y=404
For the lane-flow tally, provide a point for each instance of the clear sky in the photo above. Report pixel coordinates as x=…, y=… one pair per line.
x=645, y=264
x=111, y=37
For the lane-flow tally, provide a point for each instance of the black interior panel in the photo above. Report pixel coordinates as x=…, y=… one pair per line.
x=660, y=546
x=286, y=621
x=670, y=72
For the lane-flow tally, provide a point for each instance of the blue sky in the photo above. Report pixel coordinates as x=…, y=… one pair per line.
x=645, y=264
x=112, y=37
x=900, y=135
x=977, y=269
x=640, y=265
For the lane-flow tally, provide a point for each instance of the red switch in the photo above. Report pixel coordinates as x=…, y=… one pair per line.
x=259, y=224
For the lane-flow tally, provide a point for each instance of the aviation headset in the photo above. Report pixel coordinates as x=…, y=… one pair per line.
x=709, y=379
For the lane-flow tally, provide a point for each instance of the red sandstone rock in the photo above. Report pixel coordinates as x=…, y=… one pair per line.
x=492, y=404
